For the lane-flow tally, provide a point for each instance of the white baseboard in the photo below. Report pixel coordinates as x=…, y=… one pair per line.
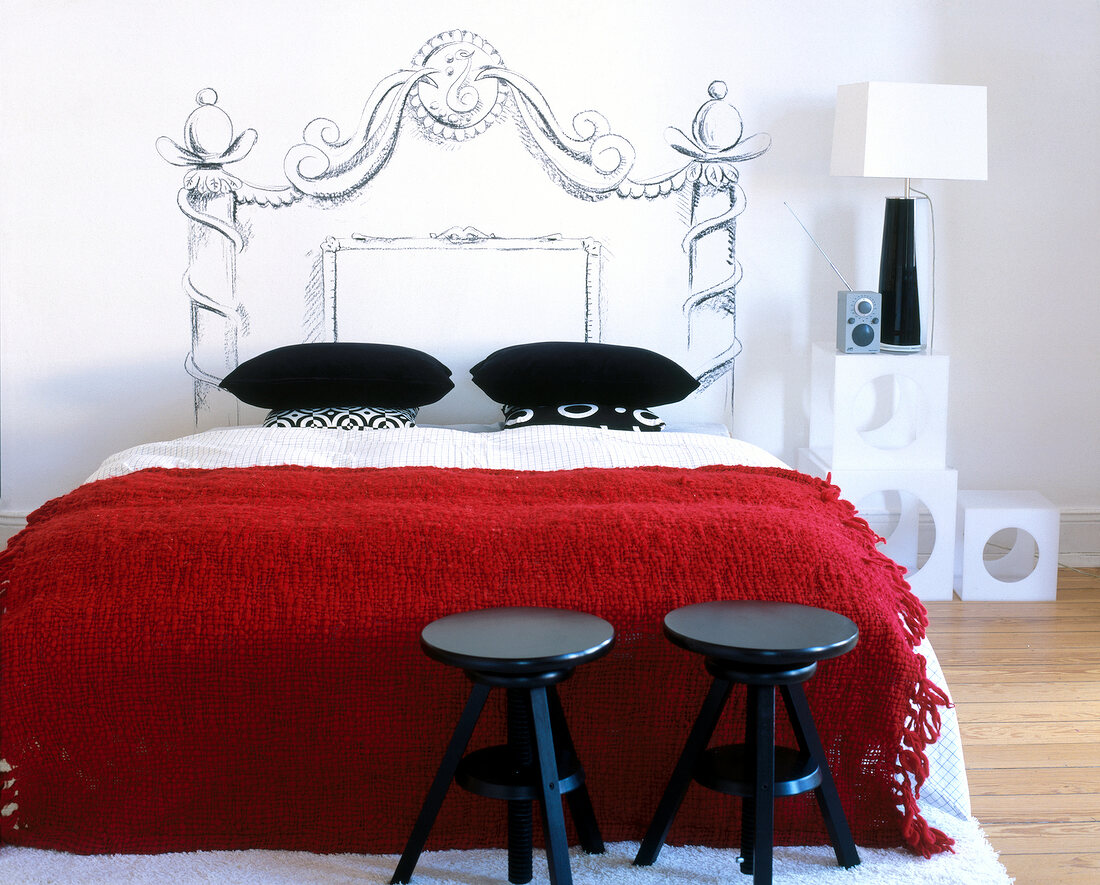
x=11, y=522
x=1078, y=537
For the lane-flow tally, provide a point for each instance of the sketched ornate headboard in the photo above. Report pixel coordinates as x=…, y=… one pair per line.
x=455, y=90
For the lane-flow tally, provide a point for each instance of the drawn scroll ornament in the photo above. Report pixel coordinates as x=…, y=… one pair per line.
x=208, y=137
x=209, y=143
x=455, y=101
x=457, y=87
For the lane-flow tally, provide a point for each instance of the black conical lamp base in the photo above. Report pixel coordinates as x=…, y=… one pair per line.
x=897, y=279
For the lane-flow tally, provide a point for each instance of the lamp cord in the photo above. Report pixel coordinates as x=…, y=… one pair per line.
x=932, y=292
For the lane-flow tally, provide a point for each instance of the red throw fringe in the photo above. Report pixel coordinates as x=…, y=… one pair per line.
x=923, y=725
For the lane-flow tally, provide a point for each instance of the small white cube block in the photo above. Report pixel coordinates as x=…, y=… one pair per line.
x=879, y=411
x=1018, y=575
x=935, y=489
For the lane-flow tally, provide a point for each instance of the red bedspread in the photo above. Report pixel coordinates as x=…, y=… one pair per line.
x=198, y=659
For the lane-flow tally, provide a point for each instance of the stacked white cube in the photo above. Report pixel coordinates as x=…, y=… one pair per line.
x=878, y=423
x=935, y=489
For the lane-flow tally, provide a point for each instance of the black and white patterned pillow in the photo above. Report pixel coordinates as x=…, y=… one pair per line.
x=343, y=418
x=584, y=415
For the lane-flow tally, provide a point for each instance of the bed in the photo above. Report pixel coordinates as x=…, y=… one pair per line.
x=212, y=643
x=168, y=699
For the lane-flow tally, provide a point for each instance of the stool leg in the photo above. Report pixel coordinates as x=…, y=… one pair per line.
x=758, y=810
x=520, y=818
x=443, y=777
x=553, y=817
x=748, y=809
x=828, y=799
x=580, y=803
x=678, y=783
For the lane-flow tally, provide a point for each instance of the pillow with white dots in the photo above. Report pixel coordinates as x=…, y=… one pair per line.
x=583, y=415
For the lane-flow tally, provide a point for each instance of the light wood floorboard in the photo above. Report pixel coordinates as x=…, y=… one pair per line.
x=1025, y=678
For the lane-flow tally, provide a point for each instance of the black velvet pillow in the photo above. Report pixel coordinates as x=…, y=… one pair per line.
x=310, y=376
x=549, y=373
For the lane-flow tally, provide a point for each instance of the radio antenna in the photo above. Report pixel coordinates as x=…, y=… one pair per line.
x=819, y=249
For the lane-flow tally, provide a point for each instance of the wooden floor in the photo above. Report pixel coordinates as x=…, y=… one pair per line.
x=1026, y=682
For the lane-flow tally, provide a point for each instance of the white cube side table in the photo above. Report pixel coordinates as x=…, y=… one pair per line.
x=851, y=428
x=935, y=489
x=1018, y=575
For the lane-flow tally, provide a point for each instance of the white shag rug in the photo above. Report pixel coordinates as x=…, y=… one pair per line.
x=974, y=863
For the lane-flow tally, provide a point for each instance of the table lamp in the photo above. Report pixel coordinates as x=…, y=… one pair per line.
x=907, y=130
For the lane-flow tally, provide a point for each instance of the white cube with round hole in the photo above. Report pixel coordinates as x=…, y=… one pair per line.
x=1006, y=546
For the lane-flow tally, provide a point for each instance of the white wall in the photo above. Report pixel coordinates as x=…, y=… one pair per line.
x=92, y=247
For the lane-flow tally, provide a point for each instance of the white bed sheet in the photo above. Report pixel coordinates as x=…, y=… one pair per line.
x=522, y=448
x=544, y=447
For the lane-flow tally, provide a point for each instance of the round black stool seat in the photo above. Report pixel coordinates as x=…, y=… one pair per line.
x=517, y=641
x=771, y=634
x=764, y=646
x=527, y=651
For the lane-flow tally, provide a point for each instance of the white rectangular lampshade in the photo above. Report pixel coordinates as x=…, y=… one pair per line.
x=910, y=130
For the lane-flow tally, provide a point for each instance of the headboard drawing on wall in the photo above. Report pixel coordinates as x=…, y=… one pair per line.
x=455, y=90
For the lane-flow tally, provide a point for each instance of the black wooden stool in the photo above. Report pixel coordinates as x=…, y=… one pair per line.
x=526, y=651
x=762, y=645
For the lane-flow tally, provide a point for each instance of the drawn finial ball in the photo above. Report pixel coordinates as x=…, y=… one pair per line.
x=718, y=125
x=206, y=96
x=209, y=131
